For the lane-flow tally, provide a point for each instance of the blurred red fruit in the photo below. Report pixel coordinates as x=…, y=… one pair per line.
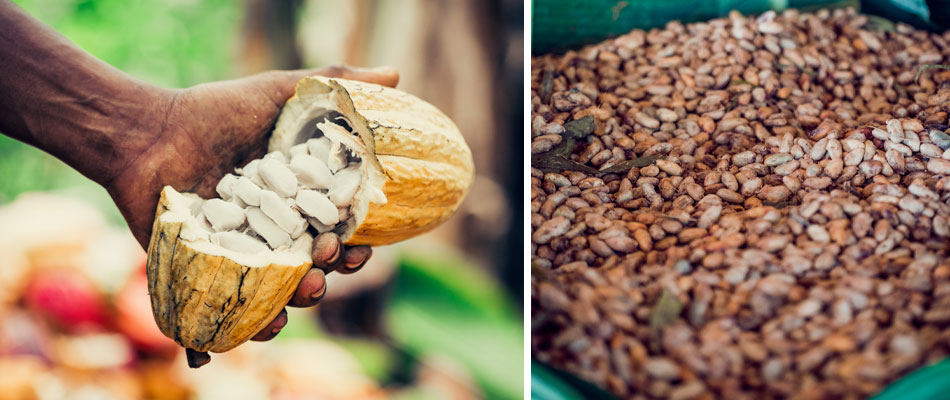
x=66, y=298
x=134, y=316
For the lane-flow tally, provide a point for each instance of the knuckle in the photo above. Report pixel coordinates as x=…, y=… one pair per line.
x=336, y=70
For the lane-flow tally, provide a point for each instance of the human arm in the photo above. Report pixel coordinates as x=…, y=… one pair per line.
x=133, y=138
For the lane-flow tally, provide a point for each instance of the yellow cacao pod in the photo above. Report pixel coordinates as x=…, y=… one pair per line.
x=416, y=168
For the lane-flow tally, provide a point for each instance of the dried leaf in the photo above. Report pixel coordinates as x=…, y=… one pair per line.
x=876, y=23
x=547, y=78
x=901, y=91
x=929, y=66
x=737, y=81
x=617, y=8
x=808, y=71
x=636, y=162
x=680, y=219
x=733, y=102
x=564, y=149
x=780, y=205
x=539, y=273
x=556, y=159
x=666, y=310
x=580, y=128
x=554, y=163
x=830, y=5
x=577, y=129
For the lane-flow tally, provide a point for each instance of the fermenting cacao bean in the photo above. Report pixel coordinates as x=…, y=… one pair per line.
x=808, y=175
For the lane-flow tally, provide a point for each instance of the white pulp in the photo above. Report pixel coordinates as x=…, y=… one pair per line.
x=272, y=201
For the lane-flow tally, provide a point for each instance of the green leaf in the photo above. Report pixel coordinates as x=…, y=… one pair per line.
x=441, y=304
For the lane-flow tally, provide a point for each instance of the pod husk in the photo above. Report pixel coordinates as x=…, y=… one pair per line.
x=411, y=151
x=209, y=302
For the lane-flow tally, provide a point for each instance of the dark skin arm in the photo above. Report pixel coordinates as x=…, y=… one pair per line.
x=133, y=138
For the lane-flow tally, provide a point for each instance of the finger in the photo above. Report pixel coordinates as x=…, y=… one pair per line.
x=312, y=288
x=327, y=252
x=385, y=76
x=280, y=85
x=354, y=259
x=273, y=328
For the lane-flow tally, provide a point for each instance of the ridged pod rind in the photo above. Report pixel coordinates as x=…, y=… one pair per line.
x=207, y=302
x=425, y=164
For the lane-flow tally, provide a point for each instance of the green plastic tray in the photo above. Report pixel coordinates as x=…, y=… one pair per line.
x=558, y=25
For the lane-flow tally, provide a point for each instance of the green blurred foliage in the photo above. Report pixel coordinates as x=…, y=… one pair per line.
x=442, y=304
x=26, y=169
x=376, y=359
x=171, y=43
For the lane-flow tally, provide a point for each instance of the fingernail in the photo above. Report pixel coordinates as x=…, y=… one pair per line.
x=328, y=248
x=319, y=295
x=354, y=257
x=335, y=257
x=356, y=264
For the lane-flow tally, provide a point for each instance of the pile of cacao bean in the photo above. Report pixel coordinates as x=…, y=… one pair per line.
x=788, y=236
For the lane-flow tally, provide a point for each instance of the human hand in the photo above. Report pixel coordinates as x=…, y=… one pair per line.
x=207, y=130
